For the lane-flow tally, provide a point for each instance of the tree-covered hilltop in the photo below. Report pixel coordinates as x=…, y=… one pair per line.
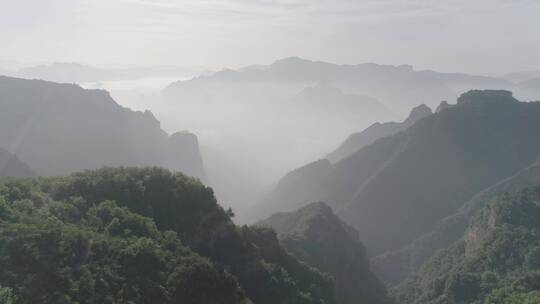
x=317, y=236
x=496, y=262
x=140, y=235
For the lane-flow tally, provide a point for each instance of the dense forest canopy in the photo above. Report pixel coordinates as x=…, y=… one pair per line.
x=139, y=235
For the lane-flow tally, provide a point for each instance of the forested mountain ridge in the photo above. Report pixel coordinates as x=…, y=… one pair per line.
x=317, y=236
x=61, y=128
x=140, y=235
x=497, y=261
x=12, y=166
x=418, y=176
x=394, y=266
x=378, y=130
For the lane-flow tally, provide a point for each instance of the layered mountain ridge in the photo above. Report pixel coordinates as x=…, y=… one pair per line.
x=413, y=179
x=61, y=128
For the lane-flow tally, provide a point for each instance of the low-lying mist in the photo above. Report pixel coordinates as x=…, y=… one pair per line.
x=256, y=124
x=252, y=135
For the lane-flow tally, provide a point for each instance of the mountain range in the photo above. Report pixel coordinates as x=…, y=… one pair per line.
x=409, y=181
x=399, y=87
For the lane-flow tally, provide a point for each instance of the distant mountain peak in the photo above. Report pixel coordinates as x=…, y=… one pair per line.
x=419, y=112
x=289, y=60
x=443, y=105
x=491, y=96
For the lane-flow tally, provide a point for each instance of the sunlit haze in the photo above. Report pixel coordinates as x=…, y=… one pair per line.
x=481, y=36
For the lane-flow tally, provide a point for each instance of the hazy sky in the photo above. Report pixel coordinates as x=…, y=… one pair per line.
x=449, y=35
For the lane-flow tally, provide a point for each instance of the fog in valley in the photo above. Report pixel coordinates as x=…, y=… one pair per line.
x=297, y=110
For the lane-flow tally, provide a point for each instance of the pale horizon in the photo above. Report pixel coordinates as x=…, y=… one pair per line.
x=482, y=37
